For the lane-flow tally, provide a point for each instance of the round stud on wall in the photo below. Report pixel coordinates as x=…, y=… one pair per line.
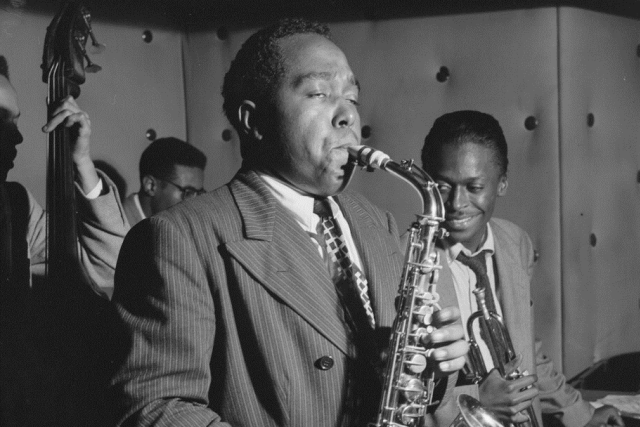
x=592, y=240
x=536, y=255
x=443, y=75
x=365, y=131
x=590, y=120
x=147, y=36
x=222, y=33
x=151, y=135
x=227, y=135
x=530, y=123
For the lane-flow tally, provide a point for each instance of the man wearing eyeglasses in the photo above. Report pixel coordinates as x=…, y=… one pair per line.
x=171, y=171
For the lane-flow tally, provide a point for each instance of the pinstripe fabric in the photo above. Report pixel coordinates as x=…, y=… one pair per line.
x=228, y=309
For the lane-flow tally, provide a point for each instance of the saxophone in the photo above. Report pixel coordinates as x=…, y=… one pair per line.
x=408, y=382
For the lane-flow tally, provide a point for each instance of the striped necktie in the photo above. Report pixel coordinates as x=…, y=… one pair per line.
x=351, y=284
x=478, y=264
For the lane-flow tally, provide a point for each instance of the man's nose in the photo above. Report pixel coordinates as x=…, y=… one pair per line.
x=345, y=115
x=457, y=198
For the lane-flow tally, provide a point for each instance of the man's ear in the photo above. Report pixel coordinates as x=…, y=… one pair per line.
x=503, y=183
x=149, y=185
x=248, y=118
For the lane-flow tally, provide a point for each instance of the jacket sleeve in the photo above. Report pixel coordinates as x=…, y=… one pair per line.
x=557, y=398
x=166, y=311
x=102, y=227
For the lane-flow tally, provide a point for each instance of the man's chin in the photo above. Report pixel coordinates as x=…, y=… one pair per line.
x=349, y=169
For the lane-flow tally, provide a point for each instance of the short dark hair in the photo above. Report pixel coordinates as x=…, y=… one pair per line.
x=4, y=67
x=465, y=126
x=160, y=157
x=258, y=66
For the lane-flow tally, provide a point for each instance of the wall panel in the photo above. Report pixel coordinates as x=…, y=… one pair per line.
x=599, y=75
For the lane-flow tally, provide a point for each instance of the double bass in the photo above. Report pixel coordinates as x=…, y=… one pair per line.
x=71, y=306
x=64, y=64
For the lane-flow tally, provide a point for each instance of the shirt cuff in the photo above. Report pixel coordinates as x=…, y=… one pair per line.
x=93, y=194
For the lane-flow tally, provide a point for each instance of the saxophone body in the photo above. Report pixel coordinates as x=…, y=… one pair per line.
x=408, y=386
x=408, y=382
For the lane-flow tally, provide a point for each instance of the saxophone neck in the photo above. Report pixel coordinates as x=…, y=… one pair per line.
x=432, y=203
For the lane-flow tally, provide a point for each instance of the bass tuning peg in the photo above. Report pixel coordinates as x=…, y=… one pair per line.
x=91, y=67
x=96, y=47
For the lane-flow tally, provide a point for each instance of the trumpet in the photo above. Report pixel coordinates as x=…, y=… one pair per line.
x=496, y=336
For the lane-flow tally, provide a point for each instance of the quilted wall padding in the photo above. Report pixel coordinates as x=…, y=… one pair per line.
x=566, y=180
x=507, y=64
x=600, y=209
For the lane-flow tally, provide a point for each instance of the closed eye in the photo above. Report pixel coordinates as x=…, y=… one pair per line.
x=443, y=187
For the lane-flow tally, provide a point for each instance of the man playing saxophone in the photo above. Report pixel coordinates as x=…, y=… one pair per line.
x=466, y=154
x=241, y=305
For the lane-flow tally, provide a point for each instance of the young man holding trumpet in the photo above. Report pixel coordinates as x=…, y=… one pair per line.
x=465, y=152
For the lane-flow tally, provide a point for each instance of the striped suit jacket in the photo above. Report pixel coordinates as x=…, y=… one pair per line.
x=231, y=316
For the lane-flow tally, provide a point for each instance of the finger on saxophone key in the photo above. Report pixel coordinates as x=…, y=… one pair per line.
x=446, y=316
x=448, y=358
x=443, y=335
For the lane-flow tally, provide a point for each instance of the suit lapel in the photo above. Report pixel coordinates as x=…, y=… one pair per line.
x=380, y=257
x=279, y=254
x=514, y=290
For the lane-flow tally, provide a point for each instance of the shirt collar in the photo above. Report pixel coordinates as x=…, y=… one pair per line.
x=454, y=250
x=296, y=202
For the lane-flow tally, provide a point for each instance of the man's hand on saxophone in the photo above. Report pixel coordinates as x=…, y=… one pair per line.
x=448, y=342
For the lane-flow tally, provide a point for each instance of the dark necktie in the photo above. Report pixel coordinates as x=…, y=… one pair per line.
x=478, y=264
x=351, y=285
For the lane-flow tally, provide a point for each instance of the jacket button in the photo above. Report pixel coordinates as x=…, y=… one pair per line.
x=324, y=363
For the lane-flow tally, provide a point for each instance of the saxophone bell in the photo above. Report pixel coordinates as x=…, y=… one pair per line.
x=473, y=414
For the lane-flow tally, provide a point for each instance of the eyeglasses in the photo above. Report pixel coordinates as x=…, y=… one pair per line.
x=187, y=192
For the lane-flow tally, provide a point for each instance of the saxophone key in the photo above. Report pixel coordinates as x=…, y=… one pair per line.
x=416, y=363
x=412, y=388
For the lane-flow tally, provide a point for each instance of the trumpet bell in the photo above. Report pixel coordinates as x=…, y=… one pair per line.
x=472, y=414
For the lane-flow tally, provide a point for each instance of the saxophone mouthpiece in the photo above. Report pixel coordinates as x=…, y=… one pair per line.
x=368, y=157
